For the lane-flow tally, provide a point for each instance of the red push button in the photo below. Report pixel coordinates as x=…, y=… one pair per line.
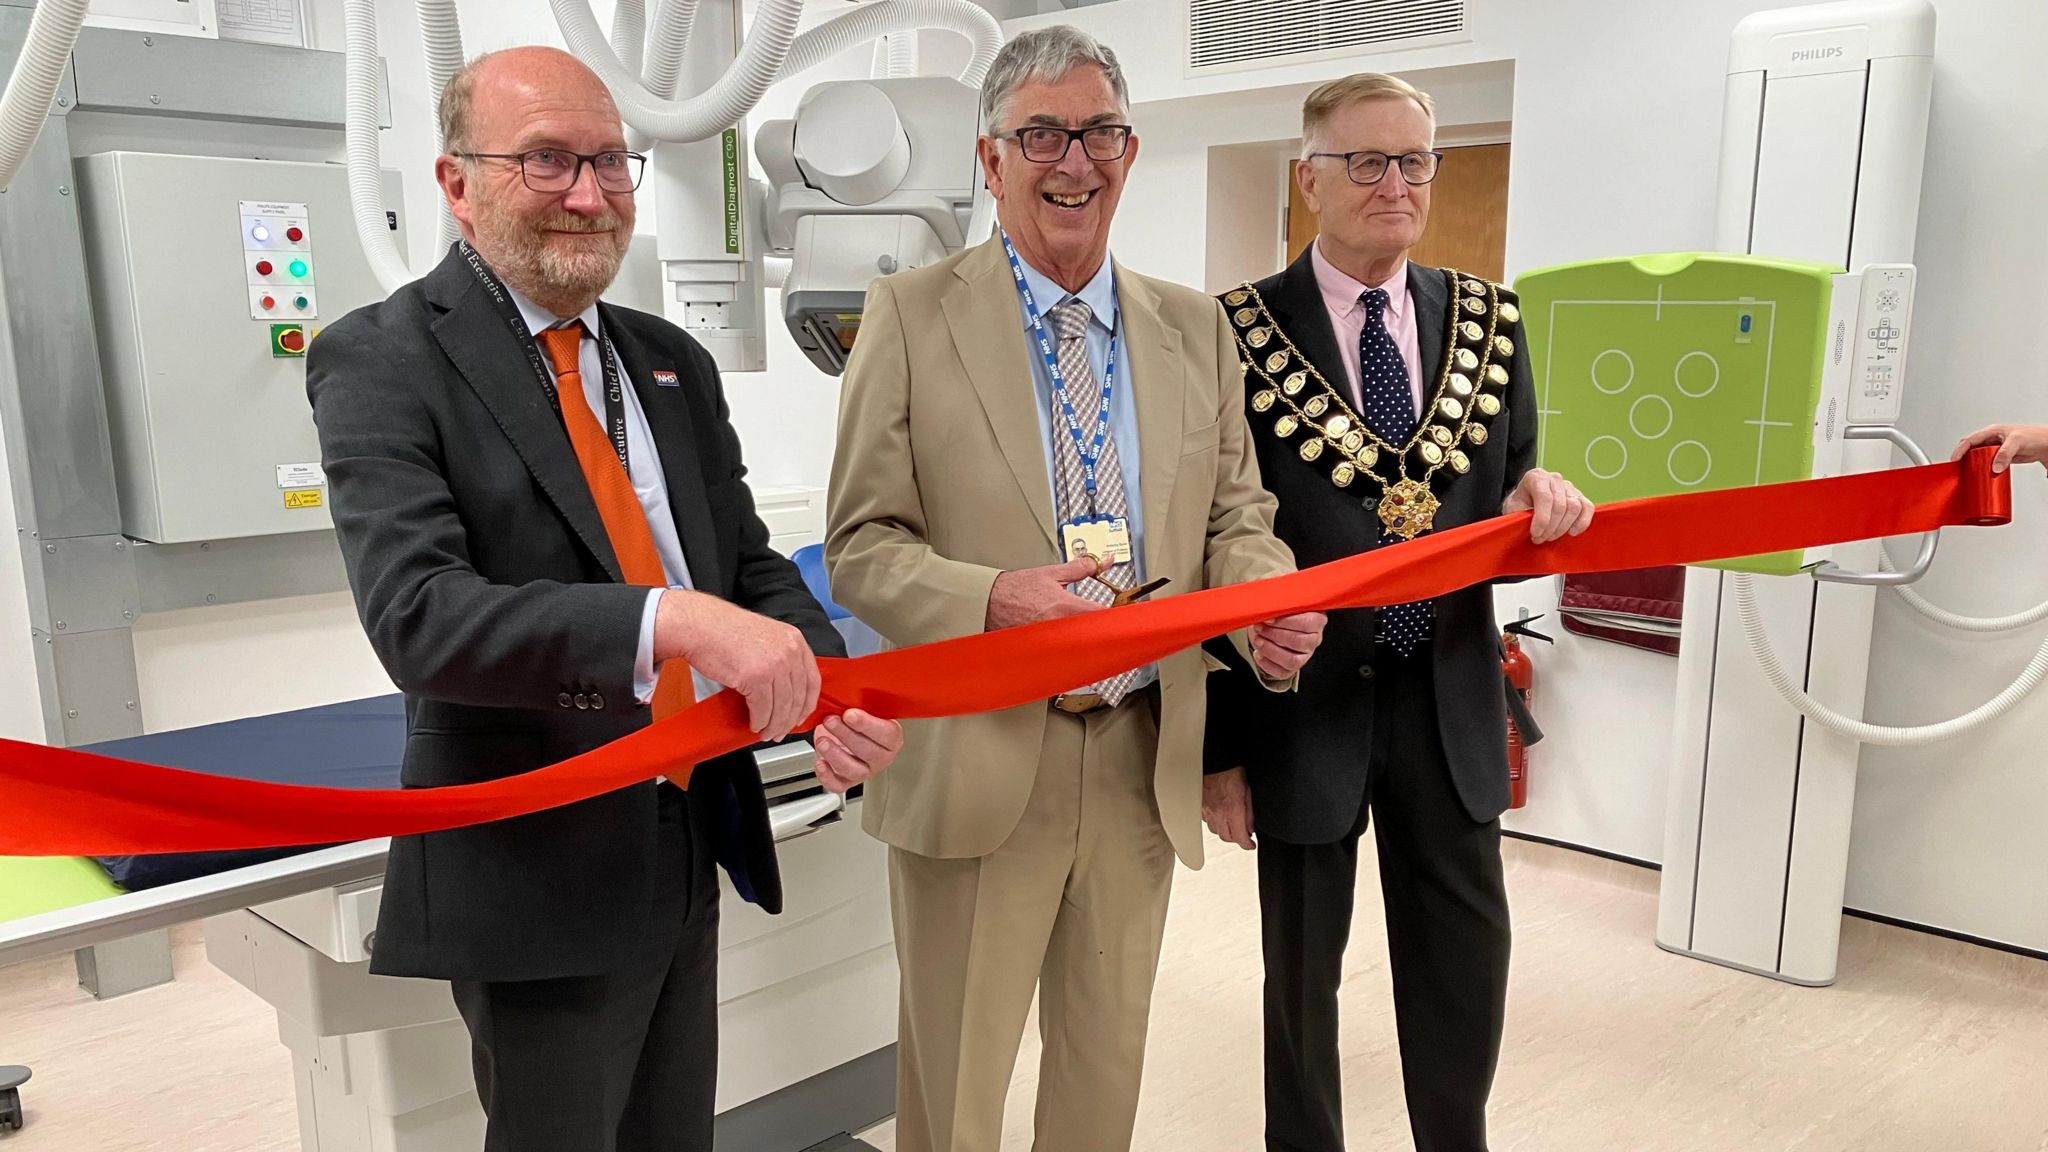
x=294, y=234
x=263, y=267
x=292, y=340
x=269, y=302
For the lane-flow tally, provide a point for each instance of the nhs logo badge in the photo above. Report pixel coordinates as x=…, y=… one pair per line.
x=666, y=379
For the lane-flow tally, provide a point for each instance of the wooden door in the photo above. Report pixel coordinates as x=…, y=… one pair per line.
x=1468, y=213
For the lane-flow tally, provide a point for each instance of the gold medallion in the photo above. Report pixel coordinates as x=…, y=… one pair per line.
x=1475, y=305
x=1471, y=331
x=1276, y=361
x=1285, y=426
x=1343, y=474
x=1476, y=433
x=1258, y=337
x=1497, y=375
x=1310, y=449
x=1353, y=441
x=1442, y=435
x=1368, y=455
x=1431, y=454
x=1337, y=425
x=1459, y=462
x=1452, y=408
x=1294, y=383
x=1317, y=405
x=1263, y=399
x=1461, y=385
x=1245, y=316
x=1508, y=313
x=1475, y=287
x=1407, y=509
x=1489, y=404
x=1503, y=347
x=1466, y=360
x=1237, y=297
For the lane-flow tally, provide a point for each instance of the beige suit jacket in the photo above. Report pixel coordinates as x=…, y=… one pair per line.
x=939, y=485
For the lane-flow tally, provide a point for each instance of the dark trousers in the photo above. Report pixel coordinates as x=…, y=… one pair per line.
x=1447, y=938
x=626, y=1061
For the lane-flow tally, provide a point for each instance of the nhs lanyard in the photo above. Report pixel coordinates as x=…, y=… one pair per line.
x=1090, y=454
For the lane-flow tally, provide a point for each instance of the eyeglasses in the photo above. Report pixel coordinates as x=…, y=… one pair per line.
x=556, y=170
x=1371, y=167
x=1044, y=144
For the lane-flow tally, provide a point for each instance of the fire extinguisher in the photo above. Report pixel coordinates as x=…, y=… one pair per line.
x=1520, y=674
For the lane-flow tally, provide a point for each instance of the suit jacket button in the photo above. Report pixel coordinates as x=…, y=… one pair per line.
x=566, y=700
x=1365, y=671
x=597, y=701
x=583, y=702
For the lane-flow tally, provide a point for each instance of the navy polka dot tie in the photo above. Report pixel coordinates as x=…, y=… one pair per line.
x=1390, y=412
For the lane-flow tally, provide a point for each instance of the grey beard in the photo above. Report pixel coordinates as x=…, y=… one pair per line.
x=566, y=282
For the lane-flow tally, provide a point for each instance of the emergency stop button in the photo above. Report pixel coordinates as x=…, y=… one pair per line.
x=287, y=340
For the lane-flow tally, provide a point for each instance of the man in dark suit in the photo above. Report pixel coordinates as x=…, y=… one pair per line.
x=541, y=503
x=1385, y=399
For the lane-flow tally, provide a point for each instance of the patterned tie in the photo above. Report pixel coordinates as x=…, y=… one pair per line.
x=1390, y=412
x=618, y=505
x=1070, y=320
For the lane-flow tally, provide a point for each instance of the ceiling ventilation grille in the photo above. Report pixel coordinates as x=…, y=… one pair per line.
x=1227, y=35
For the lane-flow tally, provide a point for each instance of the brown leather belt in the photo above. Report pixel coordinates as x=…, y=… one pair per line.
x=1080, y=703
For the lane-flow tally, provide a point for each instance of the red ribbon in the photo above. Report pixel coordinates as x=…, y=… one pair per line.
x=68, y=803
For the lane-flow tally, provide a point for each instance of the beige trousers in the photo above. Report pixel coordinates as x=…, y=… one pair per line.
x=1074, y=904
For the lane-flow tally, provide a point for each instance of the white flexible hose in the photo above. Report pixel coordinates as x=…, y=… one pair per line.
x=629, y=33
x=889, y=16
x=44, y=52
x=1959, y=622
x=902, y=54
x=702, y=116
x=359, y=135
x=1858, y=730
x=441, y=36
x=673, y=21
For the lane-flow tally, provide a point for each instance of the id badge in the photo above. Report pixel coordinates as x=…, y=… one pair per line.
x=1108, y=539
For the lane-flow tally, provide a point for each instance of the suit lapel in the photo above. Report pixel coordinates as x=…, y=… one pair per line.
x=477, y=340
x=1158, y=387
x=672, y=425
x=988, y=332
x=1431, y=300
x=1298, y=306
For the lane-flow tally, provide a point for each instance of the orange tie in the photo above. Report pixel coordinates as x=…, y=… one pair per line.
x=625, y=521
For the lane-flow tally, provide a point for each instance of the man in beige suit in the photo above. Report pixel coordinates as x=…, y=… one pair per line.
x=1025, y=401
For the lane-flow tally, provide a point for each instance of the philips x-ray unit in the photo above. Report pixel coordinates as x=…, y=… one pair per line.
x=1823, y=140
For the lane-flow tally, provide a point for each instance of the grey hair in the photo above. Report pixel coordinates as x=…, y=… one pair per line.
x=456, y=97
x=1046, y=54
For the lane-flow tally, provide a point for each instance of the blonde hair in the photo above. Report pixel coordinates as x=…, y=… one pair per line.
x=1326, y=101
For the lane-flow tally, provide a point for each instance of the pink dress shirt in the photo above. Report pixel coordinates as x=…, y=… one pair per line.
x=1347, y=317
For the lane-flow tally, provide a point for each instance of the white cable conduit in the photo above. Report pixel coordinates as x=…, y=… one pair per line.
x=441, y=35
x=629, y=33
x=1861, y=731
x=885, y=17
x=902, y=54
x=702, y=116
x=1959, y=622
x=673, y=21
x=359, y=134
x=52, y=32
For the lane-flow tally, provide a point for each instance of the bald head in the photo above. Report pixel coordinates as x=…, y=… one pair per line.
x=496, y=81
x=537, y=175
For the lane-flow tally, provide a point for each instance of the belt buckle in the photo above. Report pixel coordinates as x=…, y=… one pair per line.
x=1078, y=703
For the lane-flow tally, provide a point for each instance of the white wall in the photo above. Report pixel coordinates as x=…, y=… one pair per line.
x=1615, y=110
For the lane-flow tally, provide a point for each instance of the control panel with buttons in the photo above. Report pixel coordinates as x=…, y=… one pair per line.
x=1883, y=315
x=277, y=249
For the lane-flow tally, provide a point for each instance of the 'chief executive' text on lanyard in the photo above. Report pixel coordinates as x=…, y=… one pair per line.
x=614, y=389
x=1110, y=538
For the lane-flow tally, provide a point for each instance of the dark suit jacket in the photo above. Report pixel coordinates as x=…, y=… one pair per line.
x=491, y=594
x=1305, y=752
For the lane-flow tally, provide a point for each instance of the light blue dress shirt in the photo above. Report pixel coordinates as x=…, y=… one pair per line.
x=1101, y=297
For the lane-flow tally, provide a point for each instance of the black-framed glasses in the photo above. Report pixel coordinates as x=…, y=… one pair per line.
x=1045, y=144
x=557, y=170
x=1372, y=167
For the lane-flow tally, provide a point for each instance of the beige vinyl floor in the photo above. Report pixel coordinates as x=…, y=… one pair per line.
x=1923, y=1045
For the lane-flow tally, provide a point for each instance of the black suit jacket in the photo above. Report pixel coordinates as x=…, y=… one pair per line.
x=489, y=590
x=1305, y=752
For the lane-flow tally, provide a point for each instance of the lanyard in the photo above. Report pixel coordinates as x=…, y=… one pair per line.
x=614, y=389
x=1091, y=455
